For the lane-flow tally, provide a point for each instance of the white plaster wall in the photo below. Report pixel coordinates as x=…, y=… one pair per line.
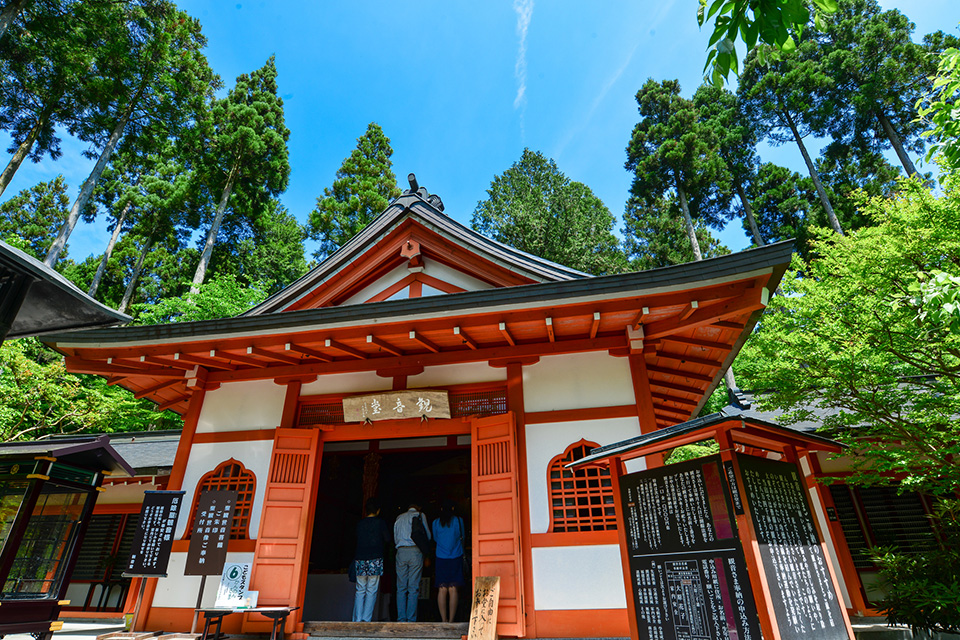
x=453, y=276
x=596, y=571
x=242, y=406
x=205, y=457
x=577, y=381
x=346, y=383
x=392, y=278
x=448, y=374
x=544, y=441
x=178, y=590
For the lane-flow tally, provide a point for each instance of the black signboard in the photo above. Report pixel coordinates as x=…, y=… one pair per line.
x=802, y=594
x=211, y=533
x=150, y=551
x=687, y=567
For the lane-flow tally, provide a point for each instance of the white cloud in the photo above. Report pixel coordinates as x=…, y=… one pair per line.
x=524, y=9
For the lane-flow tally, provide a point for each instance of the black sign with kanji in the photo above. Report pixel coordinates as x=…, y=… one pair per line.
x=801, y=590
x=211, y=533
x=150, y=552
x=687, y=567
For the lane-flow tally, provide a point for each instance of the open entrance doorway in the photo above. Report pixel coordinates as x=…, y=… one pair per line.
x=398, y=471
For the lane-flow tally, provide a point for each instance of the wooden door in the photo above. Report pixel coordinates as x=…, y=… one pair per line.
x=496, y=515
x=280, y=560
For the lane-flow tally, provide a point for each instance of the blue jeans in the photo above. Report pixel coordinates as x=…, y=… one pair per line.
x=409, y=568
x=366, y=598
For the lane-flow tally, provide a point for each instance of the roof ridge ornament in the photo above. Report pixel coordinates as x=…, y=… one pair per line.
x=421, y=192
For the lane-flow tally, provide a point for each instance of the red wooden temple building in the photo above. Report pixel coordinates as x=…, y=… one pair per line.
x=540, y=363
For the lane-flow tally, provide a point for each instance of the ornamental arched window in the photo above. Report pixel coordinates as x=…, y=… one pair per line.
x=230, y=475
x=580, y=499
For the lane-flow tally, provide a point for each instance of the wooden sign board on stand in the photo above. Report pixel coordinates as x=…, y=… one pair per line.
x=483, y=608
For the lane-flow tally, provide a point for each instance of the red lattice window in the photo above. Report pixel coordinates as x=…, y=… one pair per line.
x=233, y=476
x=581, y=499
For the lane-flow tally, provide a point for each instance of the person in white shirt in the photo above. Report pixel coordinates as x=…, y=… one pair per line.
x=409, y=563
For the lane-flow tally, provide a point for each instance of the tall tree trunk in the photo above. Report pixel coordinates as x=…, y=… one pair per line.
x=135, y=276
x=896, y=143
x=109, y=250
x=824, y=200
x=24, y=149
x=9, y=14
x=748, y=214
x=691, y=231
x=201, y=272
x=87, y=190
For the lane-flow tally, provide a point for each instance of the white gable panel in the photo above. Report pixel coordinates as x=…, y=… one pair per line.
x=242, y=406
x=577, y=381
x=358, y=382
x=377, y=286
x=453, y=276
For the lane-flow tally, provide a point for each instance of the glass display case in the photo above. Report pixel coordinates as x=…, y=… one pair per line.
x=46, y=503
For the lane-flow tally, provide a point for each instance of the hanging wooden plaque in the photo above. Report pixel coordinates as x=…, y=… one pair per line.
x=396, y=405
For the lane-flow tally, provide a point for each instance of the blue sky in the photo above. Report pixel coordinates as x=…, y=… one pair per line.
x=460, y=88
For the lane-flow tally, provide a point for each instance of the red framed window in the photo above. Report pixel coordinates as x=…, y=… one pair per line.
x=581, y=499
x=234, y=476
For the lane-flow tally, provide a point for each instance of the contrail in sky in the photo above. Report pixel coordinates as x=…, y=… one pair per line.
x=524, y=9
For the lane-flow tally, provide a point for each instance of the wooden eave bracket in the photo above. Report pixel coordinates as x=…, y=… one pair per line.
x=635, y=338
x=467, y=340
x=410, y=249
x=273, y=355
x=307, y=351
x=505, y=332
x=384, y=345
x=424, y=342
x=343, y=348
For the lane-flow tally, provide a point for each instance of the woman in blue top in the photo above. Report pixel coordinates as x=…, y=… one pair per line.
x=448, y=534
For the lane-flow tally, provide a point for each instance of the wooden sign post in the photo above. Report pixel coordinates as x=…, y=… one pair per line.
x=483, y=608
x=208, y=542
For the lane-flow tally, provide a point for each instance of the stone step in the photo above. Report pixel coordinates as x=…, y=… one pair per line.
x=408, y=630
x=129, y=635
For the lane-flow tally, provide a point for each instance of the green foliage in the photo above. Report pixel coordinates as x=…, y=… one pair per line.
x=265, y=252
x=240, y=155
x=937, y=296
x=30, y=219
x=937, y=110
x=46, y=69
x=879, y=74
x=364, y=186
x=776, y=23
x=654, y=236
x=923, y=589
x=220, y=297
x=692, y=451
x=785, y=204
x=844, y=335
x=673, y=154
x=534, y=207
x=41, y=399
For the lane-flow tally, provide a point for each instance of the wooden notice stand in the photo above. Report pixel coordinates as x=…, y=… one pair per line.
x=724, y=541
x=483, y=608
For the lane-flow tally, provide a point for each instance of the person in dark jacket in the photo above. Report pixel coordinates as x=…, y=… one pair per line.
x=372, y=537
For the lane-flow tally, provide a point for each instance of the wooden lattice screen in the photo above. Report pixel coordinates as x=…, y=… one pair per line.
x=581, y=499
x=233, y=476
